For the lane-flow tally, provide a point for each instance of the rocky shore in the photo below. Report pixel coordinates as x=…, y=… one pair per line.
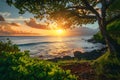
x=82, y=56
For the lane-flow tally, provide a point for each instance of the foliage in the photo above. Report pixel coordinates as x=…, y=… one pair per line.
x=114, y=26
x=78, y=12
x=8, y=46
x=114, y=10
x=67, y=12
x=113, y=29
x=73, y=13
x=114, y=7
x=60, y=11
x=108, y=66
x=98, y=37
x=16, y=65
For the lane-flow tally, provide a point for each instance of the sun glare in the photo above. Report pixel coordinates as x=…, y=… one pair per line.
x=59, y=31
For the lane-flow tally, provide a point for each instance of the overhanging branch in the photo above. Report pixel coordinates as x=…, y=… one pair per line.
x=91, y=8
x=87, y=16
x=77, y=7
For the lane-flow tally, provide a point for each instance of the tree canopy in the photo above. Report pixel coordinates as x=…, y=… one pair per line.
x=67, y=12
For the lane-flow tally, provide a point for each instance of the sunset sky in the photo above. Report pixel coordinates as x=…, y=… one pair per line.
x=16, y=24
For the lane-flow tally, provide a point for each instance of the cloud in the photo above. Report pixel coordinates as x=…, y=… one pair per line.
x=32, y=23
x=15, y=24
x=84, y=31
x=5, y=14
x=16, y=29
x=20, y=18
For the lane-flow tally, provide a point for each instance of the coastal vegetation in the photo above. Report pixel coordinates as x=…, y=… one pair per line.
x=108, y=64
x=113, y=29
x=17, y=65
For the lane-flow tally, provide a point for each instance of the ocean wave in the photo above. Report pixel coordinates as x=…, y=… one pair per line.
x=46, y=42
x=36, y=43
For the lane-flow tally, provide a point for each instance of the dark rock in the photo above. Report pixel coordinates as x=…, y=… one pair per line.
x=40, y=56
x=77, y=54
x=55, y=59
x=86, y=47
x=67, y=57
x=92, y=40
x=89, y=55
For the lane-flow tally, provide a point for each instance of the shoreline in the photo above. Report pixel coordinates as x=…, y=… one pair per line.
x=81, y=56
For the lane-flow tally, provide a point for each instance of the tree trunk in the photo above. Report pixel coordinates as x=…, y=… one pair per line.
x=112, y=45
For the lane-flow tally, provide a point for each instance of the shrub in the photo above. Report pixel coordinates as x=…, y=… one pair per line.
x=7, y=46
x=98, y=37
x=114, y=31
x=16, y=65
x=108, y=66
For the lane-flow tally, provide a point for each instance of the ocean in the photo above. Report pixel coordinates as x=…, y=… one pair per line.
x=51, y=47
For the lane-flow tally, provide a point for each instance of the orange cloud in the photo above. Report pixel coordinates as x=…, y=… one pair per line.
x=15, y=24
x=32, y=23
x=10, y=29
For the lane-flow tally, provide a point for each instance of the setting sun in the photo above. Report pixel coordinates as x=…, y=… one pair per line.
x=60, y=31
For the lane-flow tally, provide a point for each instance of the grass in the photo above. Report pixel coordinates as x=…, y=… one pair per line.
x=108, y=66
x=71, y=62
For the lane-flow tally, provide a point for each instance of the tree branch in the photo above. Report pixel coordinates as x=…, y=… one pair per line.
x=77, y=7
x=113, y=19
x=87, y=16
x=91, y=8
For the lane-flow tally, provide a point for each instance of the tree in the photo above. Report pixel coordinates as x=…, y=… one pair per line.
x=69, y=13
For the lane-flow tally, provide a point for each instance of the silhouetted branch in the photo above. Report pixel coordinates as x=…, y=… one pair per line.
x=91, y=8
x=77, y=7
x=87, y=16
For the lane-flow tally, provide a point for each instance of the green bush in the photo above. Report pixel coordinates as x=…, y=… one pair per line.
x=16, y=65
x=7, y=46
x=98, y=37
x=108, y=66
x=114, y=31
x=114, y=26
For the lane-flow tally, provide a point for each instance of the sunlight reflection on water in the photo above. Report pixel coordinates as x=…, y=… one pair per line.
x=49, y=47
